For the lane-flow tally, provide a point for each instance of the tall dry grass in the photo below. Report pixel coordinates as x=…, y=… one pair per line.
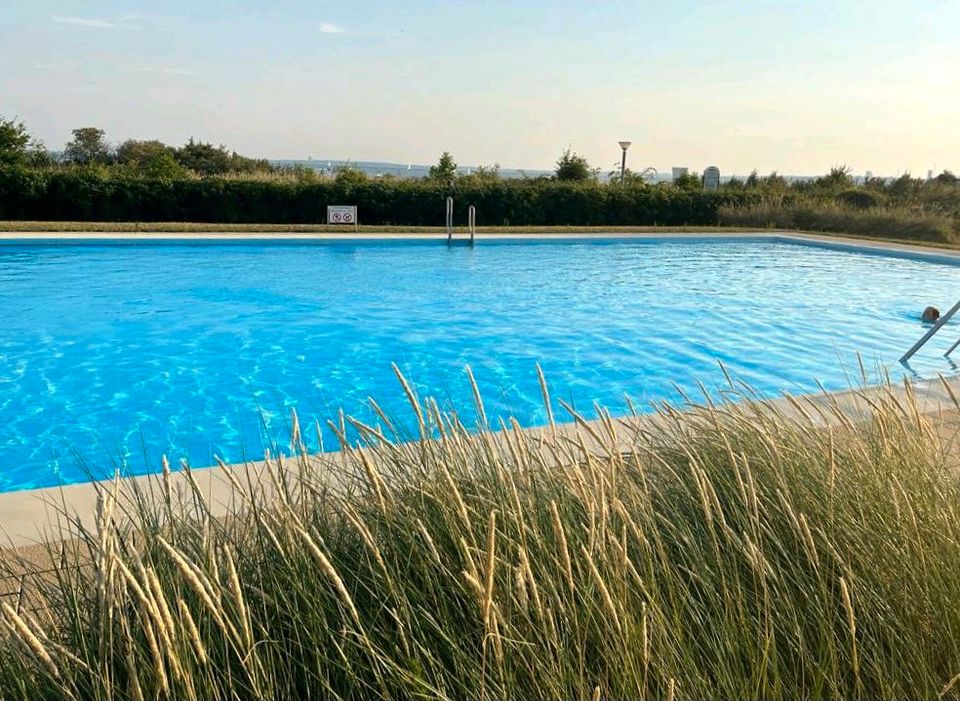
x=885, y=222
x=732, y=552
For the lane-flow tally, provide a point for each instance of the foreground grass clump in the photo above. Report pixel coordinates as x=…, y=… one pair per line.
x=733, y=552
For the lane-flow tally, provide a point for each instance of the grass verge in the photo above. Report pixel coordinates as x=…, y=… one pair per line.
x=732, y=552
x=200, y=227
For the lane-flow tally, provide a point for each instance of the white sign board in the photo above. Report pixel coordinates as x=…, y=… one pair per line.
x=711, y=178
x=341, y=214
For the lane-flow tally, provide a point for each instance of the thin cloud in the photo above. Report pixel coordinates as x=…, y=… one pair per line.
x=124, y=21
x=330, y=28
x=84, y=22
x=168, y=70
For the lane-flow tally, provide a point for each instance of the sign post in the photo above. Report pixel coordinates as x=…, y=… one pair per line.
x=343, y=214
x=711, y=178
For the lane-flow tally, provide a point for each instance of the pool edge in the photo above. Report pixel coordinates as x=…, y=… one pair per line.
x=929, y=253
x=28, y=517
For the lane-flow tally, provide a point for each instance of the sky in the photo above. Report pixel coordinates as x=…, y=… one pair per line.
x=791, y=86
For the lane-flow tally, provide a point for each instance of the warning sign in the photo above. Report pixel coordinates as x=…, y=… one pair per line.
x=341, y=214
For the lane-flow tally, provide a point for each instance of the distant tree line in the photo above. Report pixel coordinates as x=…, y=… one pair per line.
x=151, y=159
x=148, y=180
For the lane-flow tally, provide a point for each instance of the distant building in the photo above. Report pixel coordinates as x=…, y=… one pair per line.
x=679, y=171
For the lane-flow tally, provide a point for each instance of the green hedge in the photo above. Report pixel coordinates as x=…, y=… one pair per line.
x=91, y=196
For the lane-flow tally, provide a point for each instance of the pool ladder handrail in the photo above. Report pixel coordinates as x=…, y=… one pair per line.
x=449, y=219
x=941, y=322
x=471, y=221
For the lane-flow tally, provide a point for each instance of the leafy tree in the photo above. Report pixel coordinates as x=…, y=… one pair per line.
x=132, y=151
x=573, y=167
x=875, y=183
x=487, y=173
x=18, y=148
x=689, y=182
x=774, y=182
x=14, y=142
x=947, y=178
x=149, y=159
x=205, y=159
x=161, y=166
x=88, y=146
x=904, y=186
x=837, y=179
x=243, y=164
x=445, y=170
x=630, y=178
x=350, y=175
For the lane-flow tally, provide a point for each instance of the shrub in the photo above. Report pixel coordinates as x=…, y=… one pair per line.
x=895, y=223
x=860, y=199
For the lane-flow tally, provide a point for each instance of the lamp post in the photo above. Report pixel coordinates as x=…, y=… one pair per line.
x=623, y=161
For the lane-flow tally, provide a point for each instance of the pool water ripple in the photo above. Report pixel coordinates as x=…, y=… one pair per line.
x=112, y=355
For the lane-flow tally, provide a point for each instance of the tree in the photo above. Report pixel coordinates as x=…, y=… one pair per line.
x=775, y=182
x=445, y=170
x=487, y=173
x=349, y=174
x=629, y=178
x=88, y=146
x=149, y=159
x=205, y=159
x=161, y=166
x=243, y=164
x=837, y=179
x=947, y=178
x=904, y=187
x=14, y=140
x=574, y=167
x=689, y=182
x=133, y=152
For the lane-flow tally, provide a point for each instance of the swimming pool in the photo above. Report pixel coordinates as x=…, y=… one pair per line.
x=112, y=355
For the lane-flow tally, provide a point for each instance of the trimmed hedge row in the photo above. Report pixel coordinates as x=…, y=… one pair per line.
x=89, y=196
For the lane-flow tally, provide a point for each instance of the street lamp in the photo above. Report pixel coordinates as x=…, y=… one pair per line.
x=623, y=160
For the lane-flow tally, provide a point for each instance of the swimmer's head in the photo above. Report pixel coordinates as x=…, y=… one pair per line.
x=930, y=314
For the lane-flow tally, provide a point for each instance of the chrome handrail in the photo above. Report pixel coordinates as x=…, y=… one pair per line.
x=930, y=334
x=449, y=219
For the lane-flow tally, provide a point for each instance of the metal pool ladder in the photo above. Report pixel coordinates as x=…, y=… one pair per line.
x=930, y=334
x=471, y=221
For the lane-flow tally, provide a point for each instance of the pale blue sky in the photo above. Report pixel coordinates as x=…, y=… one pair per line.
x=791, y=86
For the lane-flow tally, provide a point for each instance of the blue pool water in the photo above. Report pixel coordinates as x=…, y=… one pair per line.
x=112, y=355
